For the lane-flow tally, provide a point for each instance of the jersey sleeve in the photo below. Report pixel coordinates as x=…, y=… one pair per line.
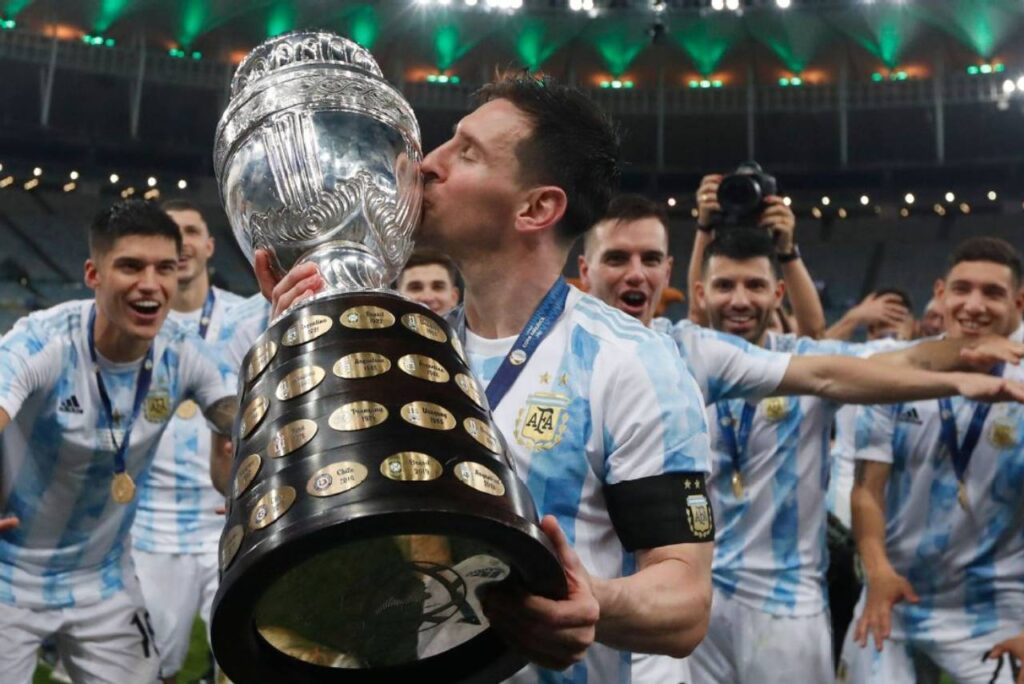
x=729, y=367
x=205, y=376
x=247, y=320
x=654, y=421
x=873, y=432
x=29, y=361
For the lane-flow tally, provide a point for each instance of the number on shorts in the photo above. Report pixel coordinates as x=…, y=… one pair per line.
x=145, y=628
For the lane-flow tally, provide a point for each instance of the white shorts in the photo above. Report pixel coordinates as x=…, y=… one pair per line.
x=749, y=646
x=659, y=669
x=110, y=642
x=176, y=587
x=922, y=662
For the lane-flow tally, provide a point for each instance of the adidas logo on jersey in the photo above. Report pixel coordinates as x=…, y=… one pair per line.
x=70, y=405
x=909, y=416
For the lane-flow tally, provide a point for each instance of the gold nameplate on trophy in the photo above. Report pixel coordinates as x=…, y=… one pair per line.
x=470, y=388
x=253, y=414
x=482, y=432
x=423, y=367
x=247, y=470
x=271, y=506
x=358, y=415
x=361, y=365
x=292, y=436
x=262, y=355
x=459, y=350
x=367, y=318
x=422, y=325
x=230, y=544
x=306, y=329
x=428, y=415
x=479, y=477
x=337, y=478
x=411, y=466
x=299, y=381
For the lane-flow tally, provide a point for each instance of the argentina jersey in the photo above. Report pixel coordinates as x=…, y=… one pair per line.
x=725, y=366
x=967, y=565
x=58, y=451
x=602, y=400
x=770, y=551
x=177, y=502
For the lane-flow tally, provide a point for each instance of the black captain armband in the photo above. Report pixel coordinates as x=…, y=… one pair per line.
x=661, y=510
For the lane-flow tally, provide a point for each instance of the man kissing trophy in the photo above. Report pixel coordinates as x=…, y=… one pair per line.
x=371, y=495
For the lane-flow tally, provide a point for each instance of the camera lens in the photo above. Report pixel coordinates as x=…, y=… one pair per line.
x=739, y=195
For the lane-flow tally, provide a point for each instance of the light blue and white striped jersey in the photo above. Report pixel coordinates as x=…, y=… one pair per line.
x=725, y=366
x=617, y=404
x=58, y=455
x=967, y=567
x=770, y=551
x=840, y=483
x=177, y=501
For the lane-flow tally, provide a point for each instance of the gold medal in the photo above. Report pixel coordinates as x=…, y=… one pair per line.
x=122, y=489
x=737, y=484
x=187, y=409
x=961, y=496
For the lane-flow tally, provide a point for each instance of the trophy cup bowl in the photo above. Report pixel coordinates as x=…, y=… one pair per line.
x=372, y=496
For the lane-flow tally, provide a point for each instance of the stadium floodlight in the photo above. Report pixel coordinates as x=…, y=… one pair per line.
x=151, y=182
x=1009, y=86
x=732, y=5
x=909, y=198
x=37, y=172
x=787, y=200
x=182, y=184
x=842, y=213
x=992, y=196
x=114, y=178
x=671, y=201
x=783, y=4
x=73, y=175
x=825, y=201
x=865, y=200
x=470, y=3
x=1020, y=83
x=1, y=167
x=816, y=212
x=950, y=197
x=718, y=5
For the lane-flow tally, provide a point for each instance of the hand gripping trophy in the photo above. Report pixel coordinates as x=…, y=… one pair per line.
x=372, y=495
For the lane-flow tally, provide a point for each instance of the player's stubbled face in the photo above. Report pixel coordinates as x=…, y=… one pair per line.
x=980, y=298
x=740, y=296
x=134, y=280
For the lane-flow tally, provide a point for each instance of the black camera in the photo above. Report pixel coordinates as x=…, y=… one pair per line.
x=741, y=194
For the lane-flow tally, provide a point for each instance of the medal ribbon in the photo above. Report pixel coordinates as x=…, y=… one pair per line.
x=141, y=389
x=206, y=314
x=961, y=452
x=536, y=329
x=736, y=441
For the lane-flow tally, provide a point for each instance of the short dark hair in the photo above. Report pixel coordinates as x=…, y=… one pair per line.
x=573, y=145
x=130, y=217
x=991, y=249
x=741, y=244
x=630, y=207
x=902, y=294
x=425, y=257
x=180, y=204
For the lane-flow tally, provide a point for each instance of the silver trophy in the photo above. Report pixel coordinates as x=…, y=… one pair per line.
x=372, y=495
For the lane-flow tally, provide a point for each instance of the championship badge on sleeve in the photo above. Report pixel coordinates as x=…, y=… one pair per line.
x=775, y=408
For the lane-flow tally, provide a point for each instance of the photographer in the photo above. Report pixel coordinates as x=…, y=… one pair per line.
x=755, y=204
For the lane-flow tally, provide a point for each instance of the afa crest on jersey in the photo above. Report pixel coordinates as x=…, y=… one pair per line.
x=541, y=423
x=157, y=407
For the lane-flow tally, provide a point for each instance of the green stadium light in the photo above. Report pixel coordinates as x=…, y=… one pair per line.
x=7, y=24
x=985, y=68
x=877, y=77
x=196, y=54
x=177, y=53
x=694, y=83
